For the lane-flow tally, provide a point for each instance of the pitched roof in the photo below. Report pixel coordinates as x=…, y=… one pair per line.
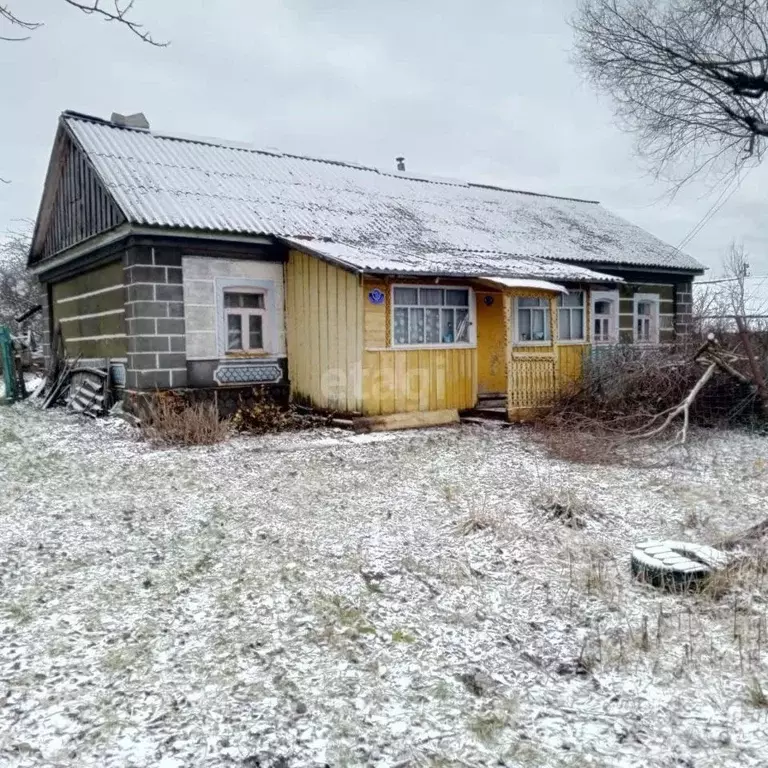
x=387, y=260
x=453, y=226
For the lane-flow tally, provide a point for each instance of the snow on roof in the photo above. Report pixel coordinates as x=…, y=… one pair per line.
x=386, y=260
x=169, y=181
x=523, y=282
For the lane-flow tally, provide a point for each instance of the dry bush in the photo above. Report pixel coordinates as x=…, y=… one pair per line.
x=168, y=419
x=565, y=505
x=261, y=414
x=756, y=696
x=746, y=574
x=478, y=520
x=624, y=386
x=622, y=389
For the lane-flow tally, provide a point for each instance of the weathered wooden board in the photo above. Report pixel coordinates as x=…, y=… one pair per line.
x=413, y=420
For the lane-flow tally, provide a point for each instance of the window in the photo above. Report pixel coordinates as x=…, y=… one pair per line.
x=533, y=319
x=605, y=316
x=646, y=318
x=602, y=317
x=244, y=315
x=430, y=315
x=571, y=316
x=643, y=321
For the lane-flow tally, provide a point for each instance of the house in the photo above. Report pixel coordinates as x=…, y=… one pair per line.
x=201, y=263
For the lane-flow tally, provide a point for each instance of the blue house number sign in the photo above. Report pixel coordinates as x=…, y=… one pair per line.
x=376, y=296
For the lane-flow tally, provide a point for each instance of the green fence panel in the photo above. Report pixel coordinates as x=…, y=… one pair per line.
x=6, y=360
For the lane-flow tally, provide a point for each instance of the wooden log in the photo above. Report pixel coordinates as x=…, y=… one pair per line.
x=414, y=420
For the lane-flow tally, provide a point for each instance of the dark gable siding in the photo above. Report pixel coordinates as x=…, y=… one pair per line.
x=81, y=207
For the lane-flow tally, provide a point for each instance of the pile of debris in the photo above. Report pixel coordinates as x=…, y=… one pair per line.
x=83, y=389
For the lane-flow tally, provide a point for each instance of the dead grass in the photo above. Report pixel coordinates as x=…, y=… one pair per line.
x=565, y=505
x=747, y=573
x=756, y=696
x=477, y=520
x=169, y=420
x=575, y=441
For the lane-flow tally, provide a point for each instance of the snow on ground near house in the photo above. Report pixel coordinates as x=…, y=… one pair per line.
x=387, y=600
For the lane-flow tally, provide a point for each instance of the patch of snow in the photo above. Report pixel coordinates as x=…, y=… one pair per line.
x=317, y=597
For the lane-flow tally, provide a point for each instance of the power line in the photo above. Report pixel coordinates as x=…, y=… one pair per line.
x=729, y=279
x=713, y=209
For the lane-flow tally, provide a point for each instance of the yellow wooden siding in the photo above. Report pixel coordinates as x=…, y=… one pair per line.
x=406, y=380
x=570, y=363
x=340, y=352
x=324, y=333
x=571, y=356
x=532, y=368
x=375, y=316
x=400, y=381
x=537, y=373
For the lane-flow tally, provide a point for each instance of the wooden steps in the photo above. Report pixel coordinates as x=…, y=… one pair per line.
x=490, y=406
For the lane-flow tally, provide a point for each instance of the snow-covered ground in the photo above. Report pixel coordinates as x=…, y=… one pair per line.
x=388, y=600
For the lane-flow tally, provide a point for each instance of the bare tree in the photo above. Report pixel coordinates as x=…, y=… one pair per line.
x=737, y=267
x=688, y=77
x=736, y=312
x=18, y=287
x=115, y=10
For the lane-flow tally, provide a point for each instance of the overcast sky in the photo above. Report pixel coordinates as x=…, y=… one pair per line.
x=478, y=90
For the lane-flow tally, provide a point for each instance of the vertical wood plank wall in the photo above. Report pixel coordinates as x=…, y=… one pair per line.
x=403, y=380
x=80, y=207
x=571, y=362
x=538, y=372
x=324, y=333
x=341, y=357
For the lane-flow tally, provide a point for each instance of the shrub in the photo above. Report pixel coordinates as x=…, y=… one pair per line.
x=168, y=419
x=565, y=505
x=261, y=414
x=623, y=388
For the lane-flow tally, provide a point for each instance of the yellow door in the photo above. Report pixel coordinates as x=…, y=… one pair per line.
x=491, y=352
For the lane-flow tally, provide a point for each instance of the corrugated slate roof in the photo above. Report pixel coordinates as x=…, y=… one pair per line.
x=223, y=187
x=385, y=260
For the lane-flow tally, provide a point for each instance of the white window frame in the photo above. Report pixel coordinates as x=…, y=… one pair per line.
x=613, y=317
x=548, y=322
x=244, y=313
x=583, y=308
x=654, y=300
x=471, y=331
x=269, y=327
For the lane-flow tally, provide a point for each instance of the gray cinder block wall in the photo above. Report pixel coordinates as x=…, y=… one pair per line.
x=154, y=318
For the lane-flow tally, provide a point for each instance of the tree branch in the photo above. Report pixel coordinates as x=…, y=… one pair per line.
x=116, y=10
x=688, y=77
x=119, y=14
